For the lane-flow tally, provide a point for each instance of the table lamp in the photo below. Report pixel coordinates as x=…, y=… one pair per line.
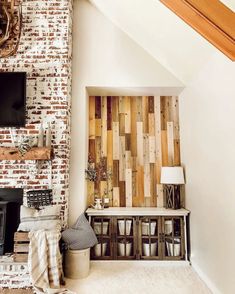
x=172, y=178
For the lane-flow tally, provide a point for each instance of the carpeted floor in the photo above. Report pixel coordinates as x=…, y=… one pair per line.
x=139, y=278
x=16, y=291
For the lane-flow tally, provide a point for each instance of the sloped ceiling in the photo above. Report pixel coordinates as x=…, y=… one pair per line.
x=161, y=33
x=103, y=47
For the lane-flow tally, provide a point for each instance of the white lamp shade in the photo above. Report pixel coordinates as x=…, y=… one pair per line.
x=172, y=175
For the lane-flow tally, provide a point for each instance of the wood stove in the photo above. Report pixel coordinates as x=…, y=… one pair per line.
x=10, y=201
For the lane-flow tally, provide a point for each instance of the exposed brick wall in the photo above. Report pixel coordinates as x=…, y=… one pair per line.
x=45, y=54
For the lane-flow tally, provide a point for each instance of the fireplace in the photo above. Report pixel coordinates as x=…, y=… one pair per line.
x=10, y=201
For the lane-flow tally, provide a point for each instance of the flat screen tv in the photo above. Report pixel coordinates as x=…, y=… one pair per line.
x=12, y=99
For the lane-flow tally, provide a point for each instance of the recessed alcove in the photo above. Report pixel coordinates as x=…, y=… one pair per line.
x=133, y=132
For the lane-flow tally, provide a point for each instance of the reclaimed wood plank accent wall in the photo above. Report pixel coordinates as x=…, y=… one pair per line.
x=131, y=138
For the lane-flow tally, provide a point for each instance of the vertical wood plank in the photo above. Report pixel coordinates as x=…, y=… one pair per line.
x=160, y=201
x=122, y=193
x=98, y=127
x=103, y=189
x=133, y=127
x=115, y=173
x=177, y=153
x=121, y=104
x=152, y=151
x=127, y=115
x=163, y=112
x=128, y=160
x=116, y=197
x=146, y=148
x=115, y=109
x=98, y=107
x=128, y=178
x=147, y=201
x=145, y=114
x=122, y=124
x=104, y=127
x=97, y=149
x=109, y=113
x=134, y=183
x=91, y=117
x=96, y=187
x=128, y=141
x=90, y=192
x=157, y=113
x=115, y=140
x=139, y=114
x=110, y=166
x=151, y=104
x=122, y=158
x=151, y=124
x=92, y=150
x=110, y=148
x=110, y=184
x=164, y=148
x=147, y=180
x=134, y=163
x=153, y=186
x=140, y=185
x=140, y=159
x=168, y=108
x=170, y=143
x=175, y=116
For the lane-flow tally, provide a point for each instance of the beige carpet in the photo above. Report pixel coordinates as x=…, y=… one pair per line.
x=16, y=291
x=139, y=278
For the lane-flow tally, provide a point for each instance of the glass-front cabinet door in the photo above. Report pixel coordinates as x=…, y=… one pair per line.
x=139, y=237
x=149, y=237
x=125, y=245
x=173, y=238
x=103, y=229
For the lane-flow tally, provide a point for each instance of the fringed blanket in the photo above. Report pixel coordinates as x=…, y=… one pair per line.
x=45, y=261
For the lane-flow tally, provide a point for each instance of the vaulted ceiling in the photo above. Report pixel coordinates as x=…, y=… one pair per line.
x=175, y=45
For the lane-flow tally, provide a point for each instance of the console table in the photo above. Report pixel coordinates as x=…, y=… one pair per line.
x=142, y=233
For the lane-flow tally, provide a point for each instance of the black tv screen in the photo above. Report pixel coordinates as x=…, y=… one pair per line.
x=12, y=99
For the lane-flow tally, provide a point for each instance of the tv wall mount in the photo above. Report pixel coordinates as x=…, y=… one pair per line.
x=10, y=26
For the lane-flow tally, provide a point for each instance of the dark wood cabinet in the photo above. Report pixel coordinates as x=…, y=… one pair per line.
x=103, y=228
x=160, y=236
x=173, y=238
x=149, y=235
x=117, y=237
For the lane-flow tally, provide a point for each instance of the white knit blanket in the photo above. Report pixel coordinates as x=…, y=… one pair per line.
x=45, y=262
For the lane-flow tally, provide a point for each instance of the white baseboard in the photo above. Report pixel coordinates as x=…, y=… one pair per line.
x=147, y=262
x=205, y=278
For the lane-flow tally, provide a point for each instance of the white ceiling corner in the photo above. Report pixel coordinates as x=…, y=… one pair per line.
x=174, y=44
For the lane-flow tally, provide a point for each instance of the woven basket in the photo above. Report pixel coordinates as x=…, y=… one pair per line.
x=39, y=198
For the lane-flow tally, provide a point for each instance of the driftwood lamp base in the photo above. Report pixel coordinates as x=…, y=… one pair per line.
x=172, y=196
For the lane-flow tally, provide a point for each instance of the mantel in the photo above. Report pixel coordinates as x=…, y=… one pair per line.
x=36, y=153
x=137, y=211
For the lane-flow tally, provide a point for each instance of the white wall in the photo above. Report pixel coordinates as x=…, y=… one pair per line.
x=103, y=56
x=207, y=120
x=160, y=32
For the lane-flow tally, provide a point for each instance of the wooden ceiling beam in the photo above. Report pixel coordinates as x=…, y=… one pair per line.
x=210, y=18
